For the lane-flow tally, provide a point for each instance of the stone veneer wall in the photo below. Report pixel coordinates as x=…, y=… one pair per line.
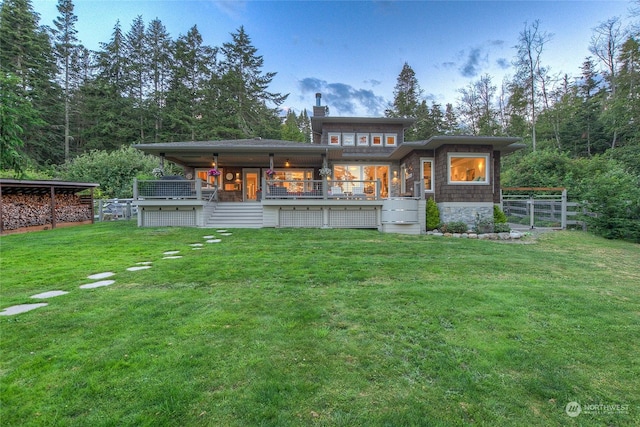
x=464, y=211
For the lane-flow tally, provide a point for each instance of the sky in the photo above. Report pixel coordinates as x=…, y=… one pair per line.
x=353, y=51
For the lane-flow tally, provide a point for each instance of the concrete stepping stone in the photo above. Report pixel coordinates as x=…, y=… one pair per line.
x=138, y=268
x=98, y=284
x=208, y=237
x=221, y=231
x=172, y=257
x=144, y=263
x=197, y=244
x=101, y=275
x=170, y=252
x=214, y=241
x=49, y=294
x=22, y=308
x=226, y=234
x=196, y=249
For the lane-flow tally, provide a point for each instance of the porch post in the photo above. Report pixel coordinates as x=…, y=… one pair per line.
x=271, y=161
x=198, y=189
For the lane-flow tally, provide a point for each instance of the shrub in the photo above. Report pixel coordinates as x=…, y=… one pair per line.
x=453, y=227
x=483, y=225
x=114, y=170
x=498, y=216
x=501, y=227
x=433, y=214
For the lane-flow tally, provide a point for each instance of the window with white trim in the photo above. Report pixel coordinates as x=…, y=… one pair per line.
x=427, y=175
x=468, y=168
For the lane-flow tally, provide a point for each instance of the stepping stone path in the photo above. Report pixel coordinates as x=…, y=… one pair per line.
x=101, y=275
x=22, y=308
x=49, y=294
x=138, y=268
x=143, y=265
x=98, y=284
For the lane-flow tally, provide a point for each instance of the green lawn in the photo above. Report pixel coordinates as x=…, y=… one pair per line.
x=318, y=327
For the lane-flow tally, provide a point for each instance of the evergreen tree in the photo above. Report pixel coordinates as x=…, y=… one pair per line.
x=304, y=123
x=193, y=69
x=66, y=45
x=244, y=84
x=291, y=128
x=25, y=52
x=13, y=108
x=450, y=124
x=137, y=72
x=160, y=58
x=108, y=109
x=406, y=95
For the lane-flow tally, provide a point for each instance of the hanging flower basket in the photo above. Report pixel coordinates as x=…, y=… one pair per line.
x=325, y=171
x=270, y=173
x=214, y=172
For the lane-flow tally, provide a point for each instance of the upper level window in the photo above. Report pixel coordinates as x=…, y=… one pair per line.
x=468, y=168
x=362, y=139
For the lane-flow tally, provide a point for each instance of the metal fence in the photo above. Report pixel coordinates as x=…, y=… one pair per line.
x=541, y=208
x=114, y=209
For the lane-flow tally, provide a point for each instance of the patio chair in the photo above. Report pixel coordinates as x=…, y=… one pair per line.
x=337, y=192
x=358, y=193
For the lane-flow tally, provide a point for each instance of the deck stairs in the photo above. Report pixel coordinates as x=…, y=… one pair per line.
x=235, y=215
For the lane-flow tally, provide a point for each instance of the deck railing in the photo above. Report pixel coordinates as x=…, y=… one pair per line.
x=321, y=189
x=173, y=189
x=271, y=189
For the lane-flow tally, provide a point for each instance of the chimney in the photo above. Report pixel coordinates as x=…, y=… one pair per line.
x=318, y=110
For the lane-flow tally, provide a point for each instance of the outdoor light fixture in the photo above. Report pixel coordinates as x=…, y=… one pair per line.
x=286, y=163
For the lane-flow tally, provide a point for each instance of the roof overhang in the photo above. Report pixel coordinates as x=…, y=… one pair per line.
x=317, y=123
x=503, y=144
x=241, y=152
x=17, y=186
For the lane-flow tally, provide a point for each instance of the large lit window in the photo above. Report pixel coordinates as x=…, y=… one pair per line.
x=468, y=168
x=294, y=180
x=427, y=175
x=342, y=173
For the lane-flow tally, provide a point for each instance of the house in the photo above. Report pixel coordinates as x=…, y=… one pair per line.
x=357, y=173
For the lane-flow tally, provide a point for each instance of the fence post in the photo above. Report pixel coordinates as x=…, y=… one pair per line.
x=531, y=212
x=127, y=211
x=563, y=214
x=100, y=214
x=135, y=188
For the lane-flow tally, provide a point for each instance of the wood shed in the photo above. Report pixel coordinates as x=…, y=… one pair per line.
x=43, y=205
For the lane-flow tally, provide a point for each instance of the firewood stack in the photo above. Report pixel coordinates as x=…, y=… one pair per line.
x=20, y=210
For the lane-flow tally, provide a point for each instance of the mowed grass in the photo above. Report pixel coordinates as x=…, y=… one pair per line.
x=290, y=327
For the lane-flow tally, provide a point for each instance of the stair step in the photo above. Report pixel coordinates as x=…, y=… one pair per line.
x=238, y=215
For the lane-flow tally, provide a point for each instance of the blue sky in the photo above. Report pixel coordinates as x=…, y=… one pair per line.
x=353, y=51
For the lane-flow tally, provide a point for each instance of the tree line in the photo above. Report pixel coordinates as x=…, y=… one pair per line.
x=65, y=109
x=581, y=132
x=60, y=99
x=583, y=115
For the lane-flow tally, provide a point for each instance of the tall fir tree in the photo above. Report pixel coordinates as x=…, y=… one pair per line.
x=160, y=59
x=66, y=47
x=253, y=107
x=25, y=52
x=406, y=94
x=193, y=69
